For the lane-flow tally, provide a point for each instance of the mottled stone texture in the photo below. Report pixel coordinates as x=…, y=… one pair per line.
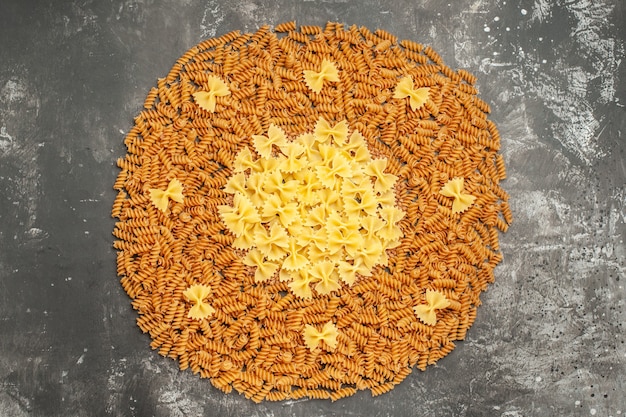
x=549, y=339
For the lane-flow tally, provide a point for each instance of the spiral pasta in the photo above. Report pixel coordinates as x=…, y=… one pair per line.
x=253, y=340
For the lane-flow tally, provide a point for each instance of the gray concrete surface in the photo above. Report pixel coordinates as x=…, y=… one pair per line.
x=549, y=339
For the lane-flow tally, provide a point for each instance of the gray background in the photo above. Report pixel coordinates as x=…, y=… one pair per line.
x=549, y=339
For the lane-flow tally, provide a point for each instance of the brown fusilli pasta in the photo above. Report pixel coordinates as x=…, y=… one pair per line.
x=253, y=341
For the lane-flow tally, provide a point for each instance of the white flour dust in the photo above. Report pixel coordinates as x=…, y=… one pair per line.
x=518, y=56
x=212, y=17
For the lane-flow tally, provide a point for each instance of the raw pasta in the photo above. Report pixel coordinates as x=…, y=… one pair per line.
x=203, y=218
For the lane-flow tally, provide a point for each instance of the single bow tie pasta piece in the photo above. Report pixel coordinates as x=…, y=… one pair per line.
x=454, y=188
x=196, y=294
x=417, y=96
x=313, y=337
x=161, y=198
x=207, y=99
x=324, y=131
x=263, y=144
x=315, y=79
x=427, y=312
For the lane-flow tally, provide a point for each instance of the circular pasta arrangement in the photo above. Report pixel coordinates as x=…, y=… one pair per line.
x=308, y=212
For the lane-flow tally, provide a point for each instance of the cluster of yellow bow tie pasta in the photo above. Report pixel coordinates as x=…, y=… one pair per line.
x=317, y=211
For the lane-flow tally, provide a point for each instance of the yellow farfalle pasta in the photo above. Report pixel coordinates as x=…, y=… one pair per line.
x=242, y=213
x=161, y=198
x=263, y=144
x=310, y=210
x=454, y=188
x=197, y=294
x=324, y=273
x=328, y=334
x=236, y=184
x=275, y=208
x=384, y=181
x=324, y=131
x=417, y=96
x=427, y=312
x=264, y=269
x=344, y=238
x=254, y=189
x=300, y=284
x=347, y=271
x=294, y=161
x=330, y=175
x=391, y=216
x=245, y=161
x=246, y=239
x=273, y=243
x=315, y=79
x=295, y=260
x=363, y=203
x=208, y=99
